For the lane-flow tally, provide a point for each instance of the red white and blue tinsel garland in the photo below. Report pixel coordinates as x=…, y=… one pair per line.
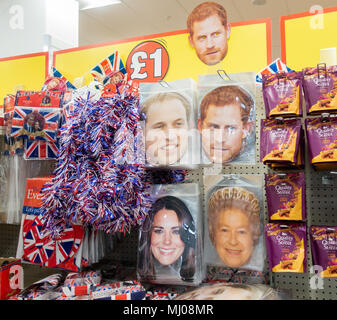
x=101, y=180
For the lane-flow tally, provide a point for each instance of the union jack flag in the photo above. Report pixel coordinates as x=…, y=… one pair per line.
x=49, y=117
x=40, y=150
x=37, y=246
x=76, y=290
x=112, y=63
x=57, y=74
x=40, y=248
x=272, y=68
x=127, y=290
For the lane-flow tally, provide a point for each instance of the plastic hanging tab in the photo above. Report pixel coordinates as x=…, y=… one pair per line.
x=281, y=75
x=279, y=120
x=221, y=72
x=164, y=84
x=328, y=180
x=321, y=70
x=325, y=117
x=233, y=176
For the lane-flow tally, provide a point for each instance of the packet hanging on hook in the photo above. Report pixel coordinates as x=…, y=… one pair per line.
x=286, y=245
x=286, y=196
x=323, y=241
x=282, y=94
x=170, y=239
x=234, y=222
x=279, y=141
x=322, y=141
x=320, y=88
x=226, y=119
x=171, y=138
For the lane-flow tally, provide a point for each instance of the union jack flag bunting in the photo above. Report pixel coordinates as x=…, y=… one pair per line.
x=112, y=63
x=128, y=290
x=40, y=248
x=40, y=150
x=35, y=123
x=272, y=68
x=57, y=74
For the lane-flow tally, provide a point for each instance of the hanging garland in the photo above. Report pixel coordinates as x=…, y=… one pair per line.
x=100, y=180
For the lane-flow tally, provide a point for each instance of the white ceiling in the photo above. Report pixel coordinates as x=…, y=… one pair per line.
x=133, y=18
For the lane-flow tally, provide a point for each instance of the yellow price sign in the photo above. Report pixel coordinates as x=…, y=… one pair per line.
x=26, y=72
x=304, y=35
x=170, y=56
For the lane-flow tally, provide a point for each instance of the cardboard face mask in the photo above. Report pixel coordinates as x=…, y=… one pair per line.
x=233, y=238
x=169, y=126
x=169, y=240
x=226, y=119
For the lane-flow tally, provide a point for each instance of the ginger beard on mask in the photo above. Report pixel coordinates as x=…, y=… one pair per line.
x=166, y=136
x=222, y=132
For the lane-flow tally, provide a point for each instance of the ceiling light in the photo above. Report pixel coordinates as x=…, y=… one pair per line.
x=90, y=4
x=259, y=2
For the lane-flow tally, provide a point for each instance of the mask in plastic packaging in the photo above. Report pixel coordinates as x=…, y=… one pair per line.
x=226, y=120
x=171, y=138
x=233, y=236
x=170, y=239
x=233, y=291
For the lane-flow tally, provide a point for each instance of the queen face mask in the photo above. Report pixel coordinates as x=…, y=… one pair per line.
x=233, y=237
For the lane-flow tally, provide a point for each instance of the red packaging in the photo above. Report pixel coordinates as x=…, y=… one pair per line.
x=11, y=277
x=9, y=101
x=52, y=99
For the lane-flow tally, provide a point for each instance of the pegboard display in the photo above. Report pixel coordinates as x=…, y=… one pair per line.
x=321, y=188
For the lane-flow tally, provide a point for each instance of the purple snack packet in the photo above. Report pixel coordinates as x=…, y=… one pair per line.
x=286, y=196
x=282, y=94
x=323, y=240
x=279, y=141
x=286, y=247
x=320, y=88
x=322, y=139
